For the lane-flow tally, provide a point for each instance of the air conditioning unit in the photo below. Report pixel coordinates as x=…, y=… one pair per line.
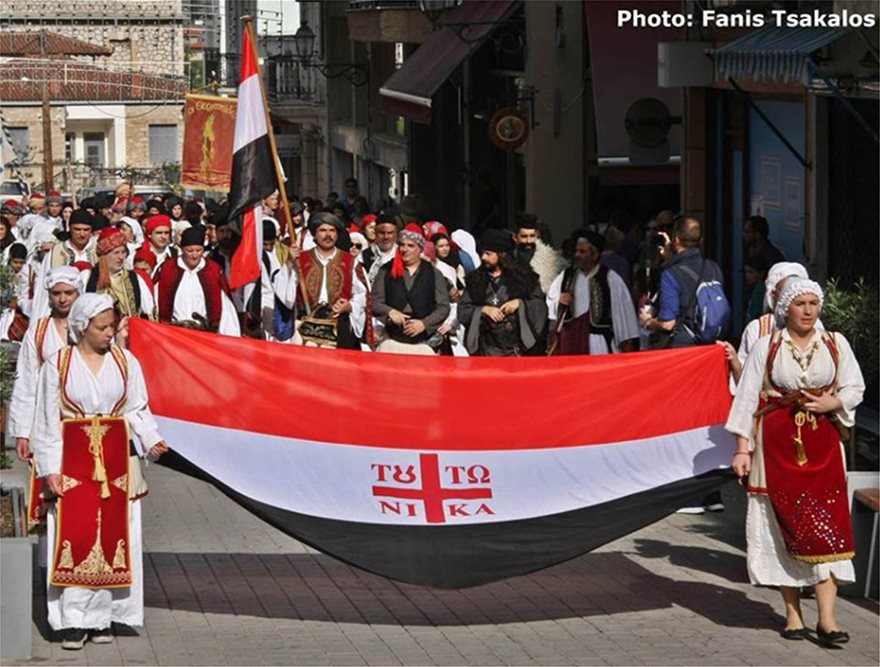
x=684, y=65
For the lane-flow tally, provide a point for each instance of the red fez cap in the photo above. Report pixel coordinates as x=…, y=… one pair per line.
x=156, y=221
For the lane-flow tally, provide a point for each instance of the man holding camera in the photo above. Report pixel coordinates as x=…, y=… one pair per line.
x=683, y=271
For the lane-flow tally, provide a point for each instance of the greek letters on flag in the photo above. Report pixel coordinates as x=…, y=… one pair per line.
x=253, y=176
x=441, y=471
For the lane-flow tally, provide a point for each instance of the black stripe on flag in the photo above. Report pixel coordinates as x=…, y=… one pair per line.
x=473, y=554
x=253, y=176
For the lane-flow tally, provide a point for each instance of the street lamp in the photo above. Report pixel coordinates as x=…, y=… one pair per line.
x=304, y=42
x=434, y=9
x=357, y=74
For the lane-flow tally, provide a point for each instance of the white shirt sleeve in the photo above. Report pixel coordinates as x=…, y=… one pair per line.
x=286, y=285
x=148, y=304
x=358, y=316
x=748, y=392
x=24, y=392
x=553, y=296
x=850, y=382
x=229, y=324
x=46, y=442
x=623, y=313
x=137, y=409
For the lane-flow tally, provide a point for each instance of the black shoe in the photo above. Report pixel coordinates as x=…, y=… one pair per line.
x=832, y=637
x=102, y=636
x=794, y=634
x=74, y=639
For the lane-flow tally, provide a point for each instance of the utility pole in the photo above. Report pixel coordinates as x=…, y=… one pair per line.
x=48, y=185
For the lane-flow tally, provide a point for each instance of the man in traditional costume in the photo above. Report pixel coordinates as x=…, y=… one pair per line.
x=193, y=289
x=411, y=298
x=131, y=294
x=382, y=251
x=794, y=403
x=322, y=282
x=92, y=425
x=77, y=250
x=158, y=231
x=546, y=261
x=593, y=303
x=503, y=309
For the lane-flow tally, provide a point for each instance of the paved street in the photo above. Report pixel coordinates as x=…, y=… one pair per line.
x=223, y=588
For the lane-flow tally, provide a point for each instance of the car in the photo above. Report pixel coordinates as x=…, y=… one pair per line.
x=11, y=189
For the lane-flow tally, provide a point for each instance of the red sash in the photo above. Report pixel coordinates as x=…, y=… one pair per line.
x=575, y=336
x=806, y=482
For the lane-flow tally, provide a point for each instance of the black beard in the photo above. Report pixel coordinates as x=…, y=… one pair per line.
x=526, y=251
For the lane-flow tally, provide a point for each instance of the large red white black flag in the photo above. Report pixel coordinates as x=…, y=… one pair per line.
x=253, y=174
x=442, y=471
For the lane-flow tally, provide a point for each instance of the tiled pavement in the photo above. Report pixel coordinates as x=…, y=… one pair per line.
x=223, y=588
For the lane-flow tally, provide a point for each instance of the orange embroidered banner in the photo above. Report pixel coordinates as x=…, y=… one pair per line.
x=92, y=547
x=207, y=142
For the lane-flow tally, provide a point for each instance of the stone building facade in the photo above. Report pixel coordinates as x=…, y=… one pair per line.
x=144, y=36
x=113, y=109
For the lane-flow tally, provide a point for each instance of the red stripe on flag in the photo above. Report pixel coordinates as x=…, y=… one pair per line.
x=245, y=265
x=248, y=58
x=440, y=403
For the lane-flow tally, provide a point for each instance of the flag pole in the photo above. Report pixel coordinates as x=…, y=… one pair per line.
x=282, y=190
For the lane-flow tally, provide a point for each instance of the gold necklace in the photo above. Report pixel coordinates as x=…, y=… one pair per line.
x=802, y=361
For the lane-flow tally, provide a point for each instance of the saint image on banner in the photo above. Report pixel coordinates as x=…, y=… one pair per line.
x=207, y=142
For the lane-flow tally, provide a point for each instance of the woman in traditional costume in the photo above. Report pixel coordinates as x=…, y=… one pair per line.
x=92, y=426
x=796, y=397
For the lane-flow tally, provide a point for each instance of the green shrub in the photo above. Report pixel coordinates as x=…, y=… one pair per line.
x=856, y=314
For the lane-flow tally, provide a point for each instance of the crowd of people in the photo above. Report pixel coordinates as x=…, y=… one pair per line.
x=335, y=275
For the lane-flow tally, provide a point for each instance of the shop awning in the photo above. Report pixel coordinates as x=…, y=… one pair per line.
x=774, y=54
x=409, y=90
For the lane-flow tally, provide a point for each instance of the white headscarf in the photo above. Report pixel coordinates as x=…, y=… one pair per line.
x=84, y=309
x=794, y=289
x=776, y=273
x=357, y=237
x=467, y=243
x=69, y=275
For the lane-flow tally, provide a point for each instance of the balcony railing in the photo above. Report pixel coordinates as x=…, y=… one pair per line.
x=370, y=5
x=288, y=81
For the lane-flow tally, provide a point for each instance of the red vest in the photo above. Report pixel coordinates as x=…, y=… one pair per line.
x=213, y=284
x=339, y=271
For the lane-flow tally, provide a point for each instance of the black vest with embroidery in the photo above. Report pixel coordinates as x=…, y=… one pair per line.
x=600, y=301
x=92, y=285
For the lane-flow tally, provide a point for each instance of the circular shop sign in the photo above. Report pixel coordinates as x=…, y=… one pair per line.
x=508, y=129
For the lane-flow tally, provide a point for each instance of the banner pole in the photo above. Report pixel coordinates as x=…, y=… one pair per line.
x=282, y=190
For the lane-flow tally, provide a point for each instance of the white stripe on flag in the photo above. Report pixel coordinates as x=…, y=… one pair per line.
x=250, y=119
x=371, y=484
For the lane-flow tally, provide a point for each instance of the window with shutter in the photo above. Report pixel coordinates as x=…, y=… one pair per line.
x=18, y=137
x=163, y=144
